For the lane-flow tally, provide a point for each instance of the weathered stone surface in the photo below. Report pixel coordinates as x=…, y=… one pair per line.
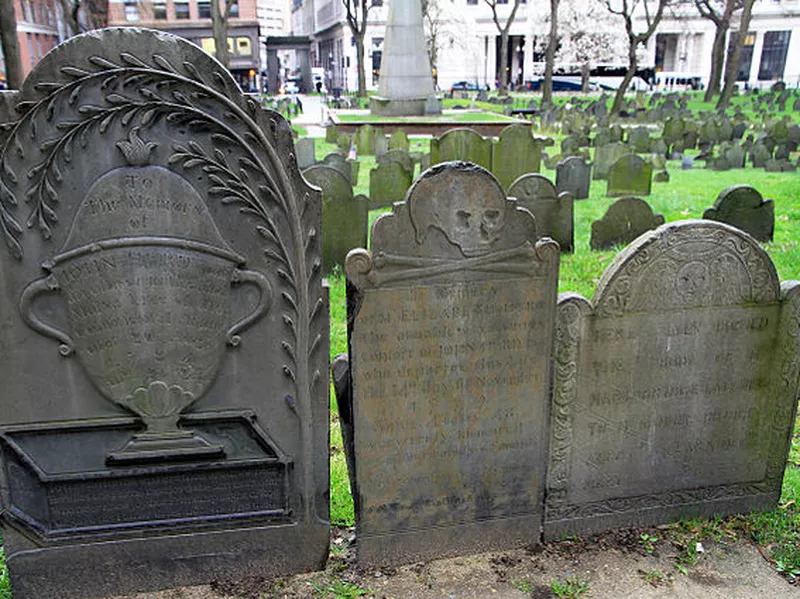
x=166, y=445
x=624, y=221
x=661, y=176
x=306, y=152
x=462, y=144
x=450, y=347
x=553, y=211
x=605, y=157
x=400, y=156
x=344, y=217
x=388, y=183
x=364, y=139
x=675, y=388
x=573, y=175
x=516, y=153
x=399, y=141
x=343, y=164
x=743, y=207
x=630, y=175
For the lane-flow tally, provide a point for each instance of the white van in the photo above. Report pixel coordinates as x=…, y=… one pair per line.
x=679, y=82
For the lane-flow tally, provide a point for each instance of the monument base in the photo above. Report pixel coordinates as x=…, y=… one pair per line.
x=404, y=107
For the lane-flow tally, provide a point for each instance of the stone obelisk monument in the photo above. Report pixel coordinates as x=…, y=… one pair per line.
x=406, y=84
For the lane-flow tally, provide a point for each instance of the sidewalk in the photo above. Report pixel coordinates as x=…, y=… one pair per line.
x=314, y=115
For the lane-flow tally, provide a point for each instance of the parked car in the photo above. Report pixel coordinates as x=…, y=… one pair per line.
x=291, y=87
x=560, y=84
x=470, y=86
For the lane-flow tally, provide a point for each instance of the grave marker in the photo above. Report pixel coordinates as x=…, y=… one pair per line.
x=624, y=221
x=741, y=206
x=553, y=211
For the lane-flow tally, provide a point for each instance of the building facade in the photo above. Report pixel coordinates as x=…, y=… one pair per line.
x=191, y=19
x=40, y=28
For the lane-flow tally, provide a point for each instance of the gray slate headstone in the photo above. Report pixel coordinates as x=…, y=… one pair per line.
x=516, y=153
x=388, y=183
x=668, y=397
x=462, y=144
x=630, y=175
x=741, y=206
x=306, y=152
x=450, y=350
x=624, y=221
x=573, y=175
x=605, y=157
x=554, y=212
x=343, y=164
x=344, y=217
x=167, y=445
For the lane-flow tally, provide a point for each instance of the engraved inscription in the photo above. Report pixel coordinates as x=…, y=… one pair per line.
x=450, y=426
x=659, y=390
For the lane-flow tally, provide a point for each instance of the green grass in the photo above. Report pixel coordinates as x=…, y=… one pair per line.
x=570, y=587
x=456, y=117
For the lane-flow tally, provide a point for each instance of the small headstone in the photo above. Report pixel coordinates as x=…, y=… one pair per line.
x=629, y=175
x=668, y=398
x=605, y=157
x=624, y=221
x=331, y=134
x=573, y=175
x=344, y=217
x=743, y=207
x=305, y=149
x=516, y=153
x=639, y=138
x=759, y=155
x=180, y=435
x=735, y=156
x=388, y=183
x=661, y=176
x=381, y=144
x=483, y=96
x=399, y=141
x=399, y=156
x=341, y=163
x=462, y=144
x=344, y=141
x=553, y=211
x=451, y=329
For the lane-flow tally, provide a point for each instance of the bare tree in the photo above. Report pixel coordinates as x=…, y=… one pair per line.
x=357, y=14
x=220, y=16
x=84, y=15
x=626, y=10
x=503, y=29
x=8, y=38
x=720, y=13
x=732, y=64
x=550, y=54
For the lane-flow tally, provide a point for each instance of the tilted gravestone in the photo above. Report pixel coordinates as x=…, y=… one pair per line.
x=516, y=153
x=450, y=349
x=344, y=217
x=741, y=206
x=675, y=388
x=624, y=221
x=462, y=144
x=388, y=183
x=169, y=287
x=553, y=211
x=605, y=157
x=630, y=175
x=573, y=175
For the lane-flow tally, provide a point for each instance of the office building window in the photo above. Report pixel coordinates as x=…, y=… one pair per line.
x=160, y=10
x=131, y=10
x=235, y=9
x=773, y=55
x=204, y=9
x=181, y=10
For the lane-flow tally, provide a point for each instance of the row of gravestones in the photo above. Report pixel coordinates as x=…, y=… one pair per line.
x=169, y=284
x=480, y=412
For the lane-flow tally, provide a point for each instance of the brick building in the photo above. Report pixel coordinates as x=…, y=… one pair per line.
x=40, y=28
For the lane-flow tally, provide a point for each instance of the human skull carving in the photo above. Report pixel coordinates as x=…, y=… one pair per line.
x=471, y=215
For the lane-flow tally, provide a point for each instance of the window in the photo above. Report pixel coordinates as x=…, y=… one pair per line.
x=746, y=58
x=204, y=9
x=472, y=2
x=235, y=9
x=773, y=55
x=243, y=46
x=160, y=9
x=181, y=10
x=131, y=10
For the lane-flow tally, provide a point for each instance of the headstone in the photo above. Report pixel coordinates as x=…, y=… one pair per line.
x=605, y=157
x=399, y=141
x=344, y=141
x=450, y=351
x=381, y=144
x=388, y=183
x=331, y=134
x=483, y=96
x=639, y=138
x=462, y=144
x=364, y=139
x=661, y=176
x=741, y=206
x=675, y=388
x=306, y=152
x=628, y=176
x=344, y=217
x=180, y=434
x=341, y=163
x=516, y=153
x=553, y=211
x=624, y=221
x=399, y=156
x=735, y=156
x=573, y=175
x=759, y=155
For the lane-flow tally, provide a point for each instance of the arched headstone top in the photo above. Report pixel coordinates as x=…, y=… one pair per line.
x=687, y=264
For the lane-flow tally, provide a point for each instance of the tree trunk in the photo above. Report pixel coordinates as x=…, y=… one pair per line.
x=10, y=42
x=550, y=55
x=717, y=60
x=504, y=63
x=71, y=10
x=219, y=28
x=619, y=97
x=362, y=75
x=586, y=70
x=732, y=65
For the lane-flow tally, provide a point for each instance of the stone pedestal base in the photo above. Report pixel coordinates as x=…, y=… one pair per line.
x=405, y=107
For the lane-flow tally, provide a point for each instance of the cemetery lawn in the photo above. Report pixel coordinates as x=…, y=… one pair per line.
x=456, y=117
x=689, y=193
